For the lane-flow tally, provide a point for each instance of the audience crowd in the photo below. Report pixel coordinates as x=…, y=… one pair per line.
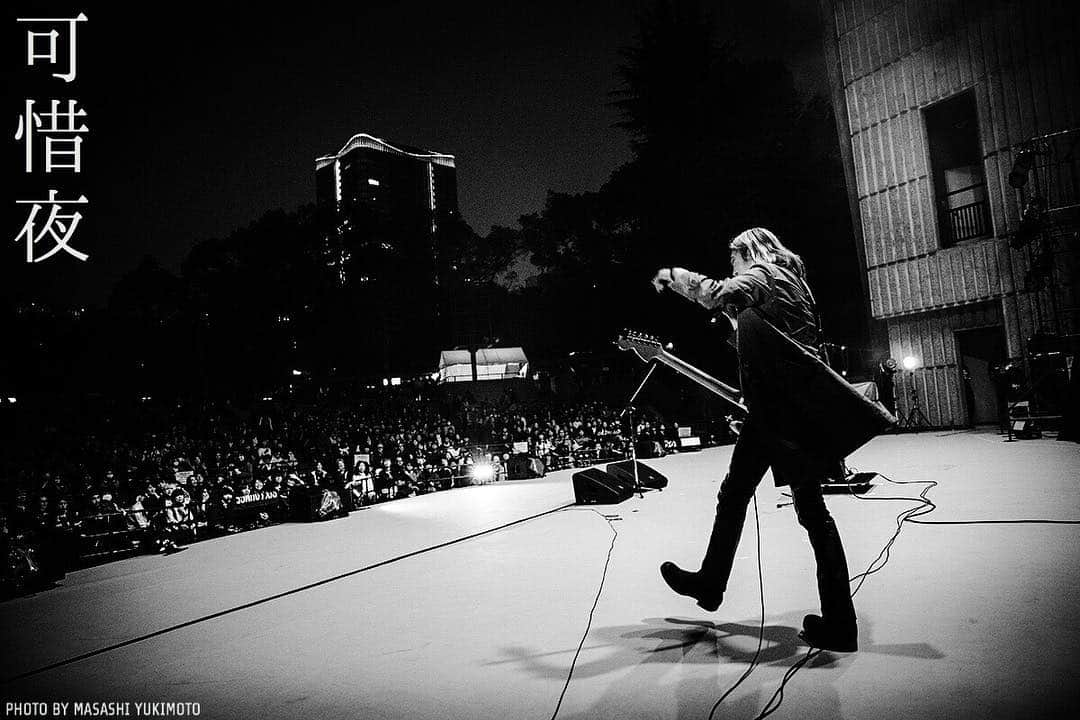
x=113, y=490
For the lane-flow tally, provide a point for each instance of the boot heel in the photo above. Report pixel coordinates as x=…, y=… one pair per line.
x=817, y=633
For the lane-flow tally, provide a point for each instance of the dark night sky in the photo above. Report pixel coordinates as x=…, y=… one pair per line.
x=203, y=119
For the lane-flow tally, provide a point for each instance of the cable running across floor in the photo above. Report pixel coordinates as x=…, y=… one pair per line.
x=276, y=596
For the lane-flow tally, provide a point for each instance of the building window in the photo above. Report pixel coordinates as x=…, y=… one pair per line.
x=956, y=167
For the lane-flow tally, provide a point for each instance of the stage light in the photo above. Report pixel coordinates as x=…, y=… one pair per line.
x=1031, y=223
x=297, y=372
x=395, y=381
x=911, y=363
x=11, y=400
x=1025, y=160
x=482, y=472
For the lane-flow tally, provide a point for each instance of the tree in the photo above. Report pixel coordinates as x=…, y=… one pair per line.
x=721, y=144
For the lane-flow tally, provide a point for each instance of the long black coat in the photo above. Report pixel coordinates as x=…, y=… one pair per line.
x=788, y=389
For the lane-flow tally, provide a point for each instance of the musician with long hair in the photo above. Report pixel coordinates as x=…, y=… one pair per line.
x=770, y=280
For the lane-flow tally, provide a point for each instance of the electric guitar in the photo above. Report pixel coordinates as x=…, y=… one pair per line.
x=650, y=349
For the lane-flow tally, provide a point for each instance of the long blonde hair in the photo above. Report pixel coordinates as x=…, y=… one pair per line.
x=758, y=245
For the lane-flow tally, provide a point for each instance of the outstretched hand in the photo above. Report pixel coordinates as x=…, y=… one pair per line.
x=662, y=279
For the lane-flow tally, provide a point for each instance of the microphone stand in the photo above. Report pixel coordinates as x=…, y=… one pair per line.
x=629, y=411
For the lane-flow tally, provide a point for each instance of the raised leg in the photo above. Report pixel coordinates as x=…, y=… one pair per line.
x=749, y=461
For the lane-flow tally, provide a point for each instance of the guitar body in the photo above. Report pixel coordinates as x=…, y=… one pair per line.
x=799, y=398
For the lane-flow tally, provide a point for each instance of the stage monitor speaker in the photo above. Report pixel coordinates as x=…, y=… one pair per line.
x=312, y=504
x=1026, y=429
x=649, y=449
x=304, y=504
x=524, y=467
x=624, y=470
x=595, y=487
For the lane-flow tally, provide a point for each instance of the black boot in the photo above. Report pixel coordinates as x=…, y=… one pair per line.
x=692, y=584
x=839, y=637
x=707, y=585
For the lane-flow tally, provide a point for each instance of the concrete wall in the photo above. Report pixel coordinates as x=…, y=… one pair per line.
x=892, y=59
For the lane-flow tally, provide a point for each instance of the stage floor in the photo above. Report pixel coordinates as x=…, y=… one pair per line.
x=964, y=621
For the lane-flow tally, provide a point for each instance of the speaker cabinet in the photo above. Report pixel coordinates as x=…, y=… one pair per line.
x=624, y=470
x=649, y=449
x=596, y=487
x=524, y=467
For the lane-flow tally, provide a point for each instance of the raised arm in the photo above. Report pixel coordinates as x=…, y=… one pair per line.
x=741, y=291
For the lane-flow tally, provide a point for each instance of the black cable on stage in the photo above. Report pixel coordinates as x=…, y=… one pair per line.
x=761, y=631
x=588, y=625
x=925, y=506
x=778, y=695
x=276, y=596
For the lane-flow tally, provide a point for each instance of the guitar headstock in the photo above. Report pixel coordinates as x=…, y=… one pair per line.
x=644, y=346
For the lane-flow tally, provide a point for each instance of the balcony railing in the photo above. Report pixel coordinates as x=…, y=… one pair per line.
x=966, y=222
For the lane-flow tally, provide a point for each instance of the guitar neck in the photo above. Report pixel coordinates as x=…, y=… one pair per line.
x=701, y=378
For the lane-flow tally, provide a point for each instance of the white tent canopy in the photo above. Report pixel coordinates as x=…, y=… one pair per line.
x=455, y=366
x=501, y=363
x=491, y=364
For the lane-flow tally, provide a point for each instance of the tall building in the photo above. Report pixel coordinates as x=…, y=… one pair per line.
x=389, y=213
x=958, y=122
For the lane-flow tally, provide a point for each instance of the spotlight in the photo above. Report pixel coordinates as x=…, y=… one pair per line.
x=911, y=363
x=1025, y=160
x=1031, y=223
x=482, y=472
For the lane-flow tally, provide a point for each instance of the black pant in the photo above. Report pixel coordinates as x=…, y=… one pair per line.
x=754, y=453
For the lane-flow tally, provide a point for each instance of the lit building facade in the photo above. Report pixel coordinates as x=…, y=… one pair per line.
x=396, y=197
x=388, y=212
x=956, y=121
